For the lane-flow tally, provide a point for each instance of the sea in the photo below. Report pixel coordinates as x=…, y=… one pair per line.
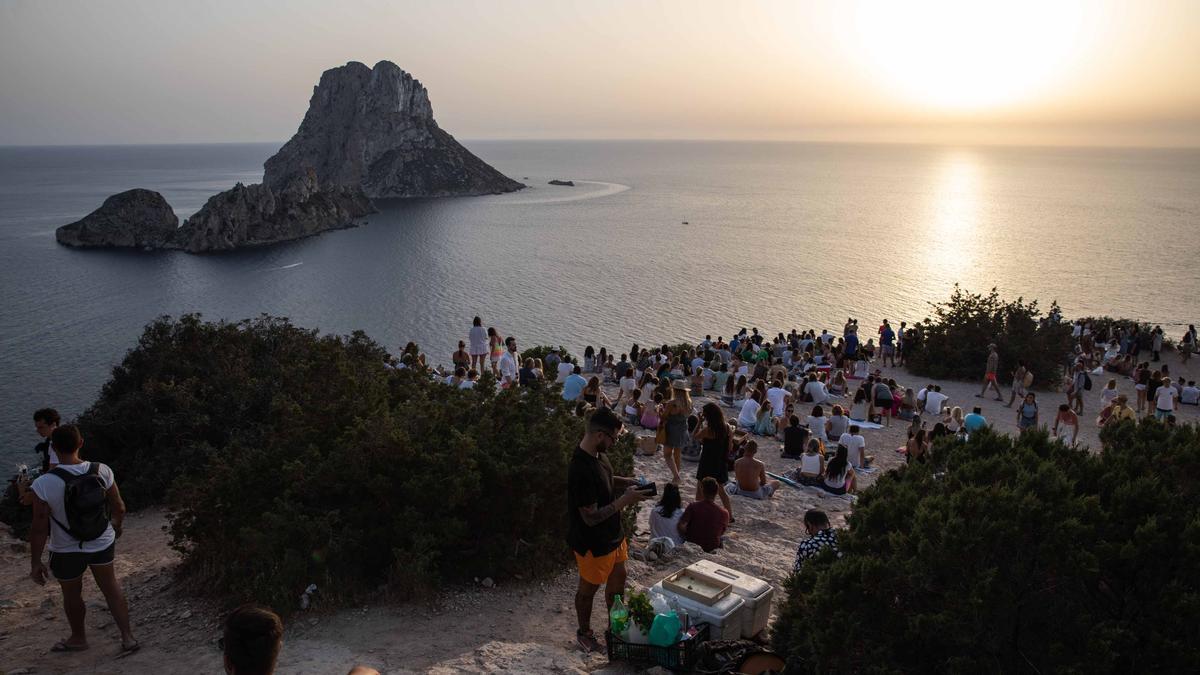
x=657, y=242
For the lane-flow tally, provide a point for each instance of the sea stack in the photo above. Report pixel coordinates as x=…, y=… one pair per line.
x=368, y=133
x=374, y=127
x=134, y=218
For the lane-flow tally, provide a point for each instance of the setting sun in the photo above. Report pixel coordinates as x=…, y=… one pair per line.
x=967, y=56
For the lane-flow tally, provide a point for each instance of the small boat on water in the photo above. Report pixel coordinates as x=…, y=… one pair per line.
x=567, y=183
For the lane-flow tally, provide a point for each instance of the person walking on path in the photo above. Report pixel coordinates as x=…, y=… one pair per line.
x=675, y=416
x=989, y=377
x=78, y=507
x=595, y=499
x=1018, y=383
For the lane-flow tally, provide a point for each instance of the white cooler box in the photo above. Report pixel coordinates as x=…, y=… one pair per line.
x=755, y=592
x=724, y=617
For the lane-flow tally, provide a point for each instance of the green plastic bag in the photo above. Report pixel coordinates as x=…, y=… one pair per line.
x=664, y=632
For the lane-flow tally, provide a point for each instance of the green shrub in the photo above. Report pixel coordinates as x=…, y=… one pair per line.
x=542, y=351
x=681, y=349
x=190, y=387
x=1008, y=555
x=289, y=458
x=954, y=341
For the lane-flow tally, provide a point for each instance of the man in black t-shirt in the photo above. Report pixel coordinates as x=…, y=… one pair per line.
x=594, y=520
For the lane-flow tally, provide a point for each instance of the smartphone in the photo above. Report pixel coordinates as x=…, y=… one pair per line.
x=648, y=488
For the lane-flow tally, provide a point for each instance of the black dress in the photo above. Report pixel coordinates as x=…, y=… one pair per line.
x=713, y=461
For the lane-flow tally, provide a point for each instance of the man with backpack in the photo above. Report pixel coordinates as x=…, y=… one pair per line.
x=78, y=507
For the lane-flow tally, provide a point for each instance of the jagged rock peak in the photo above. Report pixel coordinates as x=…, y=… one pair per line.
x=374, y=128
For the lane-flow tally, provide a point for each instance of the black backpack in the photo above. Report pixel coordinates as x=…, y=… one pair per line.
x=86, y=502
x=1087, y=382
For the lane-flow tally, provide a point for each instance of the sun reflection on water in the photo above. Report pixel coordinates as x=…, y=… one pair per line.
x=952, y=237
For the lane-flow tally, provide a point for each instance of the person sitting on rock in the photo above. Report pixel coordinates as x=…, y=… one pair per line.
x=750, y=476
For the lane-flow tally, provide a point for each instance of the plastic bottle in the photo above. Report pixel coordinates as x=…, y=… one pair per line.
x=618, y=618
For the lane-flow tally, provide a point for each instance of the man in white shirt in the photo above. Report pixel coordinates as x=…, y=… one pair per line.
x=565, y=368
x=816, y=390
x=510, y=369
x=749, y=414
x=856, y=446
x=70, y=556
x=935, y=400
x=1190, y=394
x=1166, y=401
x=779, y=398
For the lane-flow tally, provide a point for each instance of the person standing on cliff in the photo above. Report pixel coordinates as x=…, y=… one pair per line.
x=478, y=340
x=595, y=499
x=45, y=421
x=989, y=377
x=83, y=533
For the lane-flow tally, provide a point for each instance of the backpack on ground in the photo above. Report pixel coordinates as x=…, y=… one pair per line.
x=86, y=502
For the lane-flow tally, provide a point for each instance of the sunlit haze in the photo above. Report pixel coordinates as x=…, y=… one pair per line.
x=1092, y=72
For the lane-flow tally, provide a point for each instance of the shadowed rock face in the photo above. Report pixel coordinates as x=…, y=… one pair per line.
x=134, y=218
x=368, y=132
x=374, y=127
x=255, y=215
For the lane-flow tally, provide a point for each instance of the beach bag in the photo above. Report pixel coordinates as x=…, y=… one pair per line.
x=1028, y=382
x=86, y=503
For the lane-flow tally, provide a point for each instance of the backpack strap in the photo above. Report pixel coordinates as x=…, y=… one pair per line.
x=67, y=478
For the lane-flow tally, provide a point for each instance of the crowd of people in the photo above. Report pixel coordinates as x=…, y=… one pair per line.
x=813, y=392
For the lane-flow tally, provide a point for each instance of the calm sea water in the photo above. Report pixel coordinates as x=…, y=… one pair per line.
x=776, y=235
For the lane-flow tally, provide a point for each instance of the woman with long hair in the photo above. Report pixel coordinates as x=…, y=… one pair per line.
x=675, y=414
x=478, y=338
x=589, y=359
x=839, y=475
x=495, y=348
x=716, y=444
x=917, y=448
x=664, y=517
x=764, y=423
x=594, y=394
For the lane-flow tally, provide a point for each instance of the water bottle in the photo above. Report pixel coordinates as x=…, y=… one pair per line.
x=618, y=618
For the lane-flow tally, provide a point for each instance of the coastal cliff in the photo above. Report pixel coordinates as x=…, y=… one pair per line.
x=368, y=133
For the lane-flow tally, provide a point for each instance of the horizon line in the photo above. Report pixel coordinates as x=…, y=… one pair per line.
x=617, y=139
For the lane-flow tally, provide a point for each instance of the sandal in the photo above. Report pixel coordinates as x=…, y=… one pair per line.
x=587, y=641
x=130, y=648
x=64, y=646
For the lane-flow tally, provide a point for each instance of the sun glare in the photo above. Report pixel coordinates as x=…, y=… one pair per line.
x=967, y=54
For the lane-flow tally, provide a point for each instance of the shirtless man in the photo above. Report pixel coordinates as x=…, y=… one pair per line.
x=989, y=378
x=751, y=476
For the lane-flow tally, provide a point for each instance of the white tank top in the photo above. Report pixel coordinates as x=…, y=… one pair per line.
x=810, y=464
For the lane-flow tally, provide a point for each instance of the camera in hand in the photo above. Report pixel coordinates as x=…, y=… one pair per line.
x=648, y=488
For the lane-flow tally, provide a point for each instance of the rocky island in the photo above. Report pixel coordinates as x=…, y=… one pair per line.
x=368, y=133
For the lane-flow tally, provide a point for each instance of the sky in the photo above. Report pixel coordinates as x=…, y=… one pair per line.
x=1086, y=72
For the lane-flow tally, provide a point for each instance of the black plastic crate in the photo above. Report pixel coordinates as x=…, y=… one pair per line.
x=675, y=657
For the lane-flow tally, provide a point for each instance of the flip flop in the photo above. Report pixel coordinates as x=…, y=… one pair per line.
x=64, y=646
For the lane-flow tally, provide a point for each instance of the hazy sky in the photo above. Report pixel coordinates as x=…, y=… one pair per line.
x=1093, y=71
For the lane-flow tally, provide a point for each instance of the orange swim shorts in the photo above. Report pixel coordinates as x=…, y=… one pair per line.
x=596, y=570
x=991, y=377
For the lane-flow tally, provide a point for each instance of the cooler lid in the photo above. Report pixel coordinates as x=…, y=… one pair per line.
x=743, y=584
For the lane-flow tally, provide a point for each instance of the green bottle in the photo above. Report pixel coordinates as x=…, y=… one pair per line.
x=618, y=618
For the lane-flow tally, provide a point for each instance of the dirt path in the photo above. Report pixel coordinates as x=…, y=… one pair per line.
x=514, y=627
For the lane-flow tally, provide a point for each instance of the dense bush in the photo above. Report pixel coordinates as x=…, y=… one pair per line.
x=290, y=458
x=542, y=351
x=954, y=341
x=1011, y=555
